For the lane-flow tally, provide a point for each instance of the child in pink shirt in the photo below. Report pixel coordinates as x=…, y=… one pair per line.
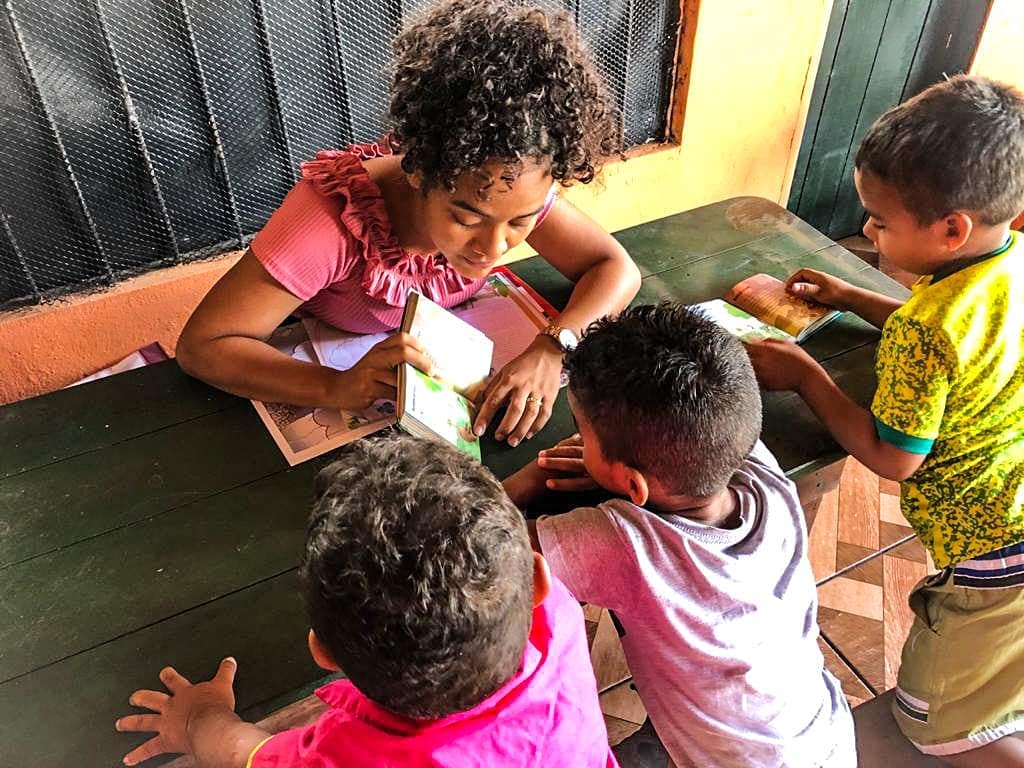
x=460, y=649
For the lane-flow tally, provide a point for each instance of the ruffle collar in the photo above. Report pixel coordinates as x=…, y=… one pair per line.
x=390, y=271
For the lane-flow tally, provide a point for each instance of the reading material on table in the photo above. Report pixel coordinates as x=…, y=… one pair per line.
x=303, y=433
x=468, y=344
x=760, y=308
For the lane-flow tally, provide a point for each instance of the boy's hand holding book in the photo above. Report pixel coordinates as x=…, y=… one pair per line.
x=821, y=288
x=781, y=365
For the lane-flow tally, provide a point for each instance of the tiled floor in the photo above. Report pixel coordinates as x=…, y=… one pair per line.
x=866, y=560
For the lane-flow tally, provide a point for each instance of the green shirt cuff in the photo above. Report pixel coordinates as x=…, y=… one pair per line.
x=903, y=441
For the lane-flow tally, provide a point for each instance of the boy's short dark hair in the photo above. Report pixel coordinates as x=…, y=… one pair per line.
x=956, y=146
x=669, y=393
x=418, y=575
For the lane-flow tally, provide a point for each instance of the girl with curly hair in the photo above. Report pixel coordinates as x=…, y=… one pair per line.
x=493, y=108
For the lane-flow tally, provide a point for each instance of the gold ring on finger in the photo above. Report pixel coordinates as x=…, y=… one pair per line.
x=535, y=399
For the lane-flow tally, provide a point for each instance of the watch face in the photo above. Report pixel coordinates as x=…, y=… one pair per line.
x=567, y=339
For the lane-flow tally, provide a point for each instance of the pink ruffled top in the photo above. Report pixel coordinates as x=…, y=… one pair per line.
x=330, y=244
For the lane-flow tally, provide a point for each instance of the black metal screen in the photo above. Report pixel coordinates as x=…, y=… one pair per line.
x=142, y=133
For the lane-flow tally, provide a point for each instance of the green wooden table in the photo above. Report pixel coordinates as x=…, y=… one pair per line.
x=148, y=519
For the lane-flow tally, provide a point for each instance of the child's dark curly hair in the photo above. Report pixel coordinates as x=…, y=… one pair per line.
x=482, y=80
x=418, y=575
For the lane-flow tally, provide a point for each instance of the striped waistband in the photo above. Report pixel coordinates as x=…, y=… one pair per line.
x=998, y=569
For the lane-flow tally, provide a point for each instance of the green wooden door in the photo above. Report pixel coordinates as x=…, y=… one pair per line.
x=876, y=54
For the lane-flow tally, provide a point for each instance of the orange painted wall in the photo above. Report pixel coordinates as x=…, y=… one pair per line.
x=746, y=91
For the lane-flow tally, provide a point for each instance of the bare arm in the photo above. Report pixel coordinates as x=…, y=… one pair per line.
x=606, y=278
x=224, y=344
x=218, y=738
x=783, y=365
x=854, y=428
x=197, y=720
x=606, y=281
x=831, y=291
x=873, y=307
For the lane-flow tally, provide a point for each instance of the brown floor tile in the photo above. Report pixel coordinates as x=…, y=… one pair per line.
x=619, y=730
x=623, y=701
x=854, y=689
x=606, y=655
x=861, y=641
x=848, y=554
x=864, y=613
x=890, y=533
x=858, y=505
x=899, y=578
x=856, y=596
x=887, y=486
x=889, y=508
x=822, y=534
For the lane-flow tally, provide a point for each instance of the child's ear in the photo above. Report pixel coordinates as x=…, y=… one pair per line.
x=955, y=229
x=415, y=180
x=541, y=579
x=321, y=655
x=636, y=485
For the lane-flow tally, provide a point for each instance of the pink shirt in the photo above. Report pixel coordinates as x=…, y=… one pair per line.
x=330, y=245
x=547, y=715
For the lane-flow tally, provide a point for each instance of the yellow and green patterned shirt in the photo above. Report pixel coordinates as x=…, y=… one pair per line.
x=950, y=372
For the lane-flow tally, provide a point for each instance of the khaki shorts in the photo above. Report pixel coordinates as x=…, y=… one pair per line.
x=961, y=680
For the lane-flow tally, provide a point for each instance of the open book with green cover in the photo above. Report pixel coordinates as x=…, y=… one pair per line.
x=468, y=344
x=442, y=405
x=759, y=307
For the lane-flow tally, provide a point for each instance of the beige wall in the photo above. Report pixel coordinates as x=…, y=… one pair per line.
x=999, y=53
x=752, y=64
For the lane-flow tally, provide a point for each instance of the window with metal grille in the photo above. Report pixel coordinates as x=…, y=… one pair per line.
x=138, y=134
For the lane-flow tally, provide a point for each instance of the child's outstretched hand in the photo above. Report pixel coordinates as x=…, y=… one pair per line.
x=780, y=365
x=174, y=711
x=812, y=285
x=566, y=461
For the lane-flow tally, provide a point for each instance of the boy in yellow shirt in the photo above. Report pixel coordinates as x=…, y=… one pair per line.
x=941, y=177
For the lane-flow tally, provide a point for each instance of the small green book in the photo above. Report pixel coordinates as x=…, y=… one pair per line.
x=443, y=405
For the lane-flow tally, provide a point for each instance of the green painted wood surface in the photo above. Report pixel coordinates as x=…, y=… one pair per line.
x=139, y=574
x=63, y=714
x=848, y=81
x=877, y=53
x=948, y=42
x=829, y=48
x=92, y=416
x=893, y=59
x=173, y=536
x=102, y=490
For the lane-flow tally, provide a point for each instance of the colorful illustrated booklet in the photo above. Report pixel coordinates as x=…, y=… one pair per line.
x=467, y=344
x=760, y=308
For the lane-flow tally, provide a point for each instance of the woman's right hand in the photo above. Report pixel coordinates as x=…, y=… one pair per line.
x=375, y=376
x=812, y=285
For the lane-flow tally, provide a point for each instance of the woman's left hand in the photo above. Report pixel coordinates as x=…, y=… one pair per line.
x=528, y=385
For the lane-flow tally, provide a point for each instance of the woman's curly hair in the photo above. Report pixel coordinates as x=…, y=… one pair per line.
x=482, y=80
